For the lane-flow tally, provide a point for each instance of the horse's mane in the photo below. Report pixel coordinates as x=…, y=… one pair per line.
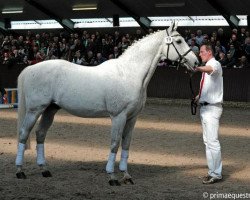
x=135, y=42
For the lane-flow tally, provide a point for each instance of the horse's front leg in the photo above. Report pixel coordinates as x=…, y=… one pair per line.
x=126, y=139
x=118, y=123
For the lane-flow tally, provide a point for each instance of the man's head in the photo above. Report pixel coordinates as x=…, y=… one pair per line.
x=206, y=52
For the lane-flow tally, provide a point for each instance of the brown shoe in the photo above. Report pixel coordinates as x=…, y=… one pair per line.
x=210, y=180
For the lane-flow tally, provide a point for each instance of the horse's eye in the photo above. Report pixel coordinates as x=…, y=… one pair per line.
x=178, y=41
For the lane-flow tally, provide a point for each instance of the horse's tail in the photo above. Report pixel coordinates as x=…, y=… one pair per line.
x=21, y=106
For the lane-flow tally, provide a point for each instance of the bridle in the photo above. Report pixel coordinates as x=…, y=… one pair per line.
x=182, y=60
x=169, y=41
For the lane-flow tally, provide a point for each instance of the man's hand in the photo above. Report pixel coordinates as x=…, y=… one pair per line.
x=196, y=99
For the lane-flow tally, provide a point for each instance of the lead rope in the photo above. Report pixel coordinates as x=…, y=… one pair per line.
x=193, y=103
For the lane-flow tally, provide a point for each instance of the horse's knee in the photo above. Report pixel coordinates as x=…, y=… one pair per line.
x=23, y=136
x=40, y=136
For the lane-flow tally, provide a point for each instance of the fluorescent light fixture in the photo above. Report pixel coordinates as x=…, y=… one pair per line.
x=9, y=11
x=169, y=5
x=85, y=7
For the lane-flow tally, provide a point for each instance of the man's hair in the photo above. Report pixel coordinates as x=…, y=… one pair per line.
x=208, y=47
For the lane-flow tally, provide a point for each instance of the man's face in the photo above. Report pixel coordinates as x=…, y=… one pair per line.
x=204, y=54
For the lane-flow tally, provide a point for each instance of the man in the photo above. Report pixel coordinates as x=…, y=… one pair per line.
x=210, y=99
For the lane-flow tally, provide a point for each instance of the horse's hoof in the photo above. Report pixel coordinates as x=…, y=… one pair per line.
x=21, y=175
x=129, y=180
x=46, y=174
x=114, y=183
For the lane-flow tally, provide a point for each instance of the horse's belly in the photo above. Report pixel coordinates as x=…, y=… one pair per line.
x=85, y=110
x=88, y=113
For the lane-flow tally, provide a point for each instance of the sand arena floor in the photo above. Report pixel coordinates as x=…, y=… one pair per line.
x=167, y=157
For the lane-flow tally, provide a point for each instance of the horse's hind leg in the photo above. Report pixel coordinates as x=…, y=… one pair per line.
x=28, y=123
x=118, y=123
x=126, y=139
x=41, y=131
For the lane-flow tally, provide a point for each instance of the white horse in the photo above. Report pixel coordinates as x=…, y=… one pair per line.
x=116, y=88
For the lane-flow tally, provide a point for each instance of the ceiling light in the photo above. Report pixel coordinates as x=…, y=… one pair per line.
x=170, y=5
x=9, y=11
x=85, y=7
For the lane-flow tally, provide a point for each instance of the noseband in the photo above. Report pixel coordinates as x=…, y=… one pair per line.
x=169, y=41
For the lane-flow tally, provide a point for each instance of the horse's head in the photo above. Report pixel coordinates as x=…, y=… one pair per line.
x=176, y=49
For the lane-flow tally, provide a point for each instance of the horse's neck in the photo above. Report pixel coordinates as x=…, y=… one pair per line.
x=140, y=61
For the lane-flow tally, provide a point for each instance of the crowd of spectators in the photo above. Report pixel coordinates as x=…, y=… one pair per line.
x=232, y=50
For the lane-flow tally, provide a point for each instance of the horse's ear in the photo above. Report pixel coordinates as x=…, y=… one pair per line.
x=173, y=26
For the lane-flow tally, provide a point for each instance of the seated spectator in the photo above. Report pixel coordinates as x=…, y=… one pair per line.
x=123, y=45
x=78, y=59
x=116, y=52
x=234, y=41
x=246, y=48
x=218, y=44
x=231, y=61
x=104, y=48
x=242, y=62
x=194, y=48
x=89, y=59
x=6, y=58
x=138, y=35
x=217, y=51
x=111, y=56
x=232, y=51
x=192, y=37
x=222, y=37
x=5, y=41
x=21, y=54
x=223, y=59
x=117, y=38
x=199, y=37
x=99, y=59
x=62, y=50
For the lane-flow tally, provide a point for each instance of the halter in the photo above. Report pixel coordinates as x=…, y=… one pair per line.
x=169, y=41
